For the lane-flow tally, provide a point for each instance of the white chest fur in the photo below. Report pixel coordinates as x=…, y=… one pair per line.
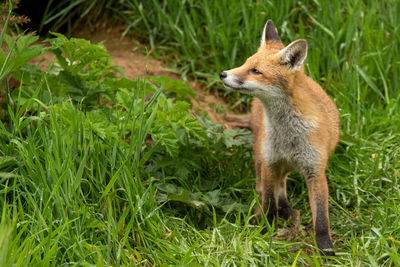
x=287, y=137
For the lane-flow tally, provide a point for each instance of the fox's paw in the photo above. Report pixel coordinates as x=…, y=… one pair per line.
x=284, y=210
x=270, y=219
x=325, y=245
x=325, y=252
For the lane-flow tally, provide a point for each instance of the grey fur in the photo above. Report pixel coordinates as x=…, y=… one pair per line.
x=287, y=137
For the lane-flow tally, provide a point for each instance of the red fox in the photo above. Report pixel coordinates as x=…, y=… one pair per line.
x=295, y=125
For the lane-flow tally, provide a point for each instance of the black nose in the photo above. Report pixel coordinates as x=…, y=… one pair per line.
x=223, y=75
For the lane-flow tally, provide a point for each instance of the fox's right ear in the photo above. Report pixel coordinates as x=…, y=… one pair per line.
x=270, y=33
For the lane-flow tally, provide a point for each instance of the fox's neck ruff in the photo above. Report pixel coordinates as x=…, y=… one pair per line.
x=282, y=115
x=287, y=135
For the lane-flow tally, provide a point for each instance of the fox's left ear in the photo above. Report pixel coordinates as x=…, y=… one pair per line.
x=294, y=54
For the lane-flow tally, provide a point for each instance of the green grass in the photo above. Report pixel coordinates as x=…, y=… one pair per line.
x=109, y=177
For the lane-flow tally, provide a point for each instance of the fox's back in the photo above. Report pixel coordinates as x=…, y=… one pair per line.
x=314, y=102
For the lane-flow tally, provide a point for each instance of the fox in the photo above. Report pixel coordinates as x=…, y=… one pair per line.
x=295, y=125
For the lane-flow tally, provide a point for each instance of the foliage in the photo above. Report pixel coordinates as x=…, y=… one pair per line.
x=68, y=165
x=175, y=88
x=126, y=176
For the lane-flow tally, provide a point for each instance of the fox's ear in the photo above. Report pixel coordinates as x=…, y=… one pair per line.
x=270, y=33
x=294, y=54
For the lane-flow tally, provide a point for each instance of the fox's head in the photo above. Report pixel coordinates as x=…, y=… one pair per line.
x=268, y=72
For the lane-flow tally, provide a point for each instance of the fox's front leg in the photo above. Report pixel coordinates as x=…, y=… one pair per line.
x=284, y=209
x=318, y=196
x=269, y=185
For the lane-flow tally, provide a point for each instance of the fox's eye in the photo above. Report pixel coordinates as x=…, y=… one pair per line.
x=255, y=71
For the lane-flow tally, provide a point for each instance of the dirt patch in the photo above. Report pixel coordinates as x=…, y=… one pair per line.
x=124, y=51
x=126, y=55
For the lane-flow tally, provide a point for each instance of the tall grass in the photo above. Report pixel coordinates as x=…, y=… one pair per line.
x=83, y=187
x=66, y=12
x=204, y=37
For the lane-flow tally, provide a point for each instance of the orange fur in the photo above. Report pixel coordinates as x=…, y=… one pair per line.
x=295, y=126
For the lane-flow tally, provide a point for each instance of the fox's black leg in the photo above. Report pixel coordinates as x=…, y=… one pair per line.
x=318, y=196
x=269, y=186
x=284, y=209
